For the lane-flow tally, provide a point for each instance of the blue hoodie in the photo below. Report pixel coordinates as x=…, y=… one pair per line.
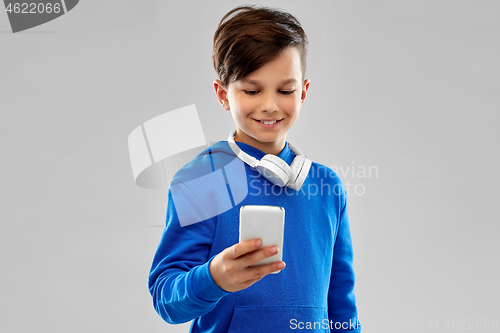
x=315, y=291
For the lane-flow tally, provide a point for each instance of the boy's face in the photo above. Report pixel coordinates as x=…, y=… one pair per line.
x=273, y=92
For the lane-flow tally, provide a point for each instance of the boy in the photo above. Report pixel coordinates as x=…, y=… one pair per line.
x=200, y=272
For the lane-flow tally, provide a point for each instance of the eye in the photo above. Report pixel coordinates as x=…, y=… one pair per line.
x=251, y=92
x=287, y=92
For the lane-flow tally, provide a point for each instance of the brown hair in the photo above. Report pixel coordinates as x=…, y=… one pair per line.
x=251, y=38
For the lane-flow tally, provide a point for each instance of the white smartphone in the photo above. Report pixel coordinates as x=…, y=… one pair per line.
x=266, y=223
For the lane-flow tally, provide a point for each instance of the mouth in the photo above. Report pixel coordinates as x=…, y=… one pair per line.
x=269, y=122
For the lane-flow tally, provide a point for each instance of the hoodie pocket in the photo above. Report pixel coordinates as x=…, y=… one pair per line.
x=280, y=319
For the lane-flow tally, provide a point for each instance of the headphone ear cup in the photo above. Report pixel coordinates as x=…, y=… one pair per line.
x=300, y=169
x=274, y=169
x=296, y=166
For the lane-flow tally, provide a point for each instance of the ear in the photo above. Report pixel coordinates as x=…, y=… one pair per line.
x=221, y=94
x=305, y=88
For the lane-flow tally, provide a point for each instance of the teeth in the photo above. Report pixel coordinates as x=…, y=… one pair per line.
x=268, y=122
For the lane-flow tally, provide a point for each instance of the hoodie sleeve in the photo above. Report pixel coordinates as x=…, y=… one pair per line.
x=180, y=281
x=342, y=309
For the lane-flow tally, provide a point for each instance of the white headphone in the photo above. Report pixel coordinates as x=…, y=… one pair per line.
x=273, y=168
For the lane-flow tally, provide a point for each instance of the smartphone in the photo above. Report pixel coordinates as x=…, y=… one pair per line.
x=266, y=223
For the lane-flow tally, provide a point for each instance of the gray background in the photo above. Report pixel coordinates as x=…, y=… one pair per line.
x=408, y=87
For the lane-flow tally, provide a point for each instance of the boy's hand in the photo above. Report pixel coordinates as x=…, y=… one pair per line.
x=230, y=268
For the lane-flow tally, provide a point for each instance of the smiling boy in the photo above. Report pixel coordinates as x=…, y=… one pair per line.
x=201, y=271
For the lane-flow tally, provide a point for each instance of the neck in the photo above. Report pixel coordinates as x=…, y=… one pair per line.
x=273, y=147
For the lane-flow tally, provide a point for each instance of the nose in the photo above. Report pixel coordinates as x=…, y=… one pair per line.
x=269, y=103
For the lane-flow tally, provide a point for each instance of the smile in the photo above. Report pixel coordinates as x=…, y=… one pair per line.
x=268, y=124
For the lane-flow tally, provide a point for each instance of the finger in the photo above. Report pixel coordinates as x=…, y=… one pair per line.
x=256, y=256
x=244, y=247
x=258, y=272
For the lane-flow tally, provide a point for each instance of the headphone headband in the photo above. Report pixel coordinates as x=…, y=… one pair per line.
x=250, y=160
